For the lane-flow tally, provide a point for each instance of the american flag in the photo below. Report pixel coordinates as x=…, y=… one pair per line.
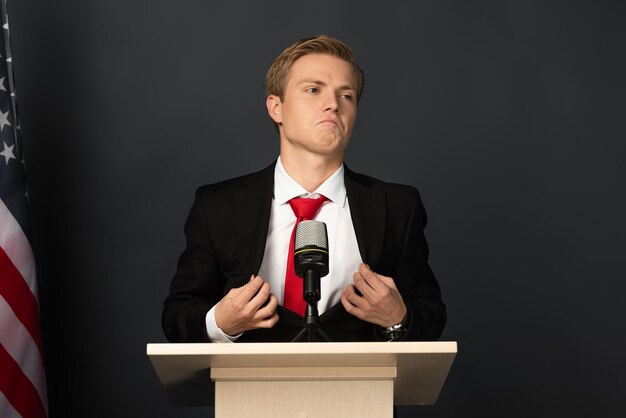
x=22, y=379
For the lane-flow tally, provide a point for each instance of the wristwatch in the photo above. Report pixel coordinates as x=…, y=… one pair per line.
x=397, y=331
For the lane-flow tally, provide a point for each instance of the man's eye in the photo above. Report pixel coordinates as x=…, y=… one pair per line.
x=313, y=90
x=347, y=97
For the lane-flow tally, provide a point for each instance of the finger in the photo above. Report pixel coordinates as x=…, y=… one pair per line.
x=363, y=287
x=269, y=322
x=370, y=277
x=388, y=281
x=350, y=308
x=269, y=309
x=236, y=291
x=252, y=287
x=353, y=298
x=261, y=297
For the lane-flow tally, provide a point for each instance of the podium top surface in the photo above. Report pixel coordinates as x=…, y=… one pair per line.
x=238, y=349
x=422, y=367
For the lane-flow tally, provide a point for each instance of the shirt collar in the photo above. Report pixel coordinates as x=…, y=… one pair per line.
x=286, y=188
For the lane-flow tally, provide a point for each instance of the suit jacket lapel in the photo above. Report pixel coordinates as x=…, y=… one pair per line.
x=368, y=211
x=252, y=205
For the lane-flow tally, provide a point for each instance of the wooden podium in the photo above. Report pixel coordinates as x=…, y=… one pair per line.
x=303, y=379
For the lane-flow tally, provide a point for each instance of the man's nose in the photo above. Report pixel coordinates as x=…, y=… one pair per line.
x=331, y=102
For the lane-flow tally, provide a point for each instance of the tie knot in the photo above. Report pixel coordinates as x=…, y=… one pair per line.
x=306, y=208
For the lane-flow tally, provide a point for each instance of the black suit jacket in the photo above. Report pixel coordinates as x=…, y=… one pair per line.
x=226, y=233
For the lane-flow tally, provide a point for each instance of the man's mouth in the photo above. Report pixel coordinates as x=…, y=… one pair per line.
x=328, y=122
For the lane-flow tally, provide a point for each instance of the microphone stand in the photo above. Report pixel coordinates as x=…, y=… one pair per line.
x=311, y=322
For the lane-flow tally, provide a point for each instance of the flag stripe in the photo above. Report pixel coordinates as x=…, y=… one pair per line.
x=7, y=409
x=21, y=347
x=17, y=247
x=18, y=389
x=19, y=298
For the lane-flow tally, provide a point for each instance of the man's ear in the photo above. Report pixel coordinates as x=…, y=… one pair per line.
x=274, y=106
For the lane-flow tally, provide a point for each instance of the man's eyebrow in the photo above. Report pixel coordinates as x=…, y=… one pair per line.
x=312, y=81
x=321, y=83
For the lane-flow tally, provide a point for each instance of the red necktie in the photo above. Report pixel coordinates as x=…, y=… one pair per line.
x=305, y=210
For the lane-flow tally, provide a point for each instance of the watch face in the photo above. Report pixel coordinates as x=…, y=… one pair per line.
x=397, y=327
x=395, y=332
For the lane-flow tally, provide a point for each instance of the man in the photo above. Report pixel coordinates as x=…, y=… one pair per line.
x=234, y=282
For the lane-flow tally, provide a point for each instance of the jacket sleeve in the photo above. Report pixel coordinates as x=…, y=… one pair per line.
x=198, y=283
x=416, y=282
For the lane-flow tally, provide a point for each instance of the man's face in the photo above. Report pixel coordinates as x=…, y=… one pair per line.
x=319, y=107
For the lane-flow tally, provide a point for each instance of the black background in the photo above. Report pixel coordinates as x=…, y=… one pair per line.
x=508, y=116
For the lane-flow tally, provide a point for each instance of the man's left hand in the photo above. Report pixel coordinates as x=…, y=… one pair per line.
x=380, y=303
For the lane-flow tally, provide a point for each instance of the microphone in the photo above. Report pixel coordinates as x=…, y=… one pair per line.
x=311, y=256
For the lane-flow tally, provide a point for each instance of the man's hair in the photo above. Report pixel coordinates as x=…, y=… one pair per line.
x=278, y=74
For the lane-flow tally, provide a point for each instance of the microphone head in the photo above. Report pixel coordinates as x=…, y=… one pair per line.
x=311, y=248
x=311, y=233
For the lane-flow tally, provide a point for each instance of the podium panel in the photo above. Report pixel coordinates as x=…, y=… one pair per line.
x=347, y=392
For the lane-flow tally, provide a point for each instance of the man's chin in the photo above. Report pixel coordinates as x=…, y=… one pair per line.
x=330, y=147
x=331, y=140
x=323, y=145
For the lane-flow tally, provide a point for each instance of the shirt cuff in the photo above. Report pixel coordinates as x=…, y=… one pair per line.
x=216, y=335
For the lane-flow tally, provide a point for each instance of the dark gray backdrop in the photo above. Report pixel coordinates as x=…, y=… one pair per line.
x=507, y=115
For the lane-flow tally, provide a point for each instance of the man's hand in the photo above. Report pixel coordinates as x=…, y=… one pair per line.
x=242, y=308
x=380, y=302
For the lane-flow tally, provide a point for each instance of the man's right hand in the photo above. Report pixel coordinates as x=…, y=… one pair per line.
x=242, y=308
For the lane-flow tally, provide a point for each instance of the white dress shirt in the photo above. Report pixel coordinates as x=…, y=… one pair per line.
x=344, y=256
